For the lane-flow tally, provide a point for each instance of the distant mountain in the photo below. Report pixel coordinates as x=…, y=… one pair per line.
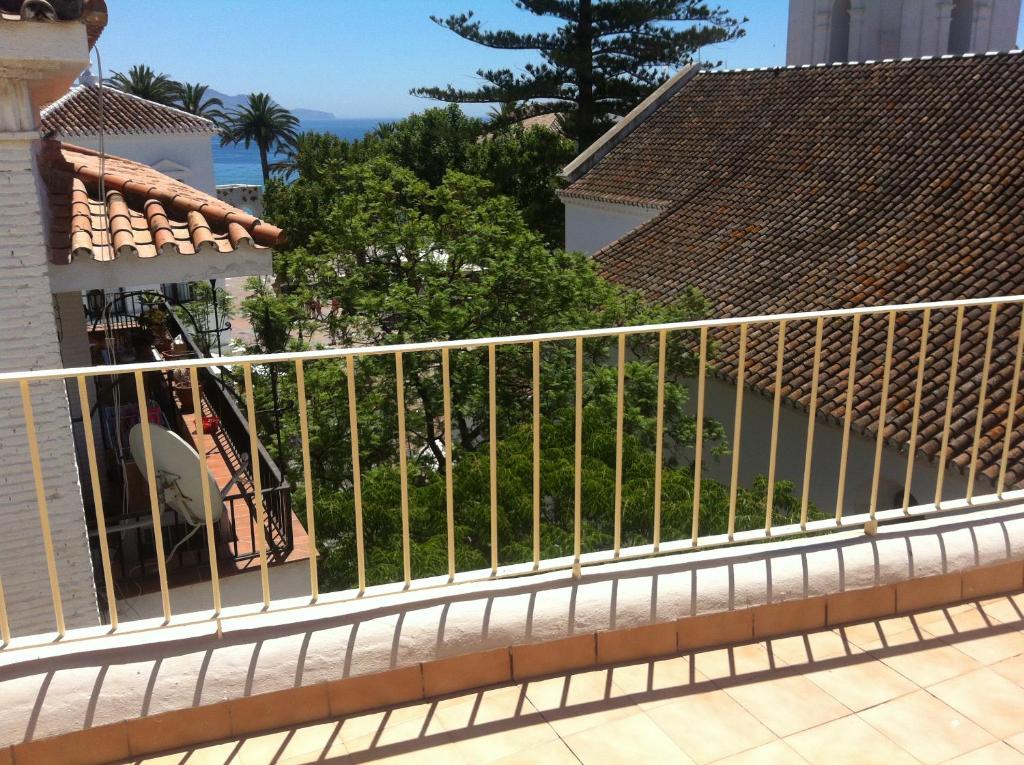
x=304, y=115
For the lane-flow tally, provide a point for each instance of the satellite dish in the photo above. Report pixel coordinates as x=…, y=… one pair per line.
x=177, y=473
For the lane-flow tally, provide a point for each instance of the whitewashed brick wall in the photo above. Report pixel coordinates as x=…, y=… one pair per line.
x=29, y=340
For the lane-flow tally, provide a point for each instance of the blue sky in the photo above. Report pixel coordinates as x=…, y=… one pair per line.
x=356, y=58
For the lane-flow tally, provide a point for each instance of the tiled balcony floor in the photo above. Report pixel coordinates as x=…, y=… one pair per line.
x=941, y=686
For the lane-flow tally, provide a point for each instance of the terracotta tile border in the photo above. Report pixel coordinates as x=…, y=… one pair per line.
x=295, y=706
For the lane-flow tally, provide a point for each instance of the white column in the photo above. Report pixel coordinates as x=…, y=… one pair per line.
x=822, y=36
x=29, y=341
x=857, y=52
x=945, y=17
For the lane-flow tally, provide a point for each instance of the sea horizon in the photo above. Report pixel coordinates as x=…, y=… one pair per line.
x=236, y=164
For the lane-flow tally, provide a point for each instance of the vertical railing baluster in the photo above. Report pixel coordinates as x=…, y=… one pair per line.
x=536, y=453
x=851, y=375
x=698, y=443
x=577, y=519
x=403, y=466
x=449, y=454
x=449, y=491
x=1011, y=406
x=659, y=444
x=620, y=394
x=922, y=360
x=780, y=350
x=492, y=414
x=982, y=393
x=812, y=416
x=307, y=479
x=211, y=537
x=257, y=484
x=357, y=474
x=5, y=625
x=154, y=498
x=954, y=364
x=734, y=477
x=97, y=500
x=882, y=412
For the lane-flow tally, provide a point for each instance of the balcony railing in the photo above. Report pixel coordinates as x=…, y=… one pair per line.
x=836, y=366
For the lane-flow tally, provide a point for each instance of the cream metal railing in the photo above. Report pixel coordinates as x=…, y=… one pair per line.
x=783, y=324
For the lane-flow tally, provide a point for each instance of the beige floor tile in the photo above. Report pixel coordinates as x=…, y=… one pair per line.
x=750, y=659
x=494, y=723
x=304, y=743
x=921, y=657
x=786, y=703
x=653, y=683
x=1009, y=609
x=997, y=753
x=926, y=727
x=634, y=739
x=1012, y=669
x=222, y=753
x=861, y=684
x=847, y=741
x=813, y=647
x=359, y=726
x=1017, y=742
x=777, y=752
x=878, y=632
x=708, y=726
x=993, y=646
x=573, y=703
x=405, y=743
x=551, y=753
x=987, y=698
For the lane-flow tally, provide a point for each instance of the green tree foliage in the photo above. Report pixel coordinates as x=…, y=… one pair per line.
x=521, y=164
x=191, y=97
x=262, y=122
x=604, y=58
x=394, y=259
x=143, y=82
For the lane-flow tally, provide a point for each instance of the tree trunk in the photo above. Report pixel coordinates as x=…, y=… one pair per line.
x=585, y=96
x=264, y=164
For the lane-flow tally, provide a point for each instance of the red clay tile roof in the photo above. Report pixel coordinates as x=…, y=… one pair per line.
x=78, y=114
x=832, y=187
x=92, y=13
x=146, y=213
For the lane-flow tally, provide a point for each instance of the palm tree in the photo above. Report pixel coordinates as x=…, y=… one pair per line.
x=191, y=97
x=262, y=122
x=143, y=82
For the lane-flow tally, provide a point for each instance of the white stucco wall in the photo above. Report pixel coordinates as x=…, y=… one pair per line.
x=878, y=29
x=191, y=151
x=30, y=341
x=720, y=403
x=589, y=226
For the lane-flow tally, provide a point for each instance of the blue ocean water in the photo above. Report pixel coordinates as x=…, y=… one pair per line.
x=236, y=164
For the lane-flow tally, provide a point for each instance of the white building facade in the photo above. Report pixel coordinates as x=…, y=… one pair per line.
x=827, y=31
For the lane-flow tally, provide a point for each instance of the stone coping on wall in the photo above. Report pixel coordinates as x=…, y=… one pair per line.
x=127, y=695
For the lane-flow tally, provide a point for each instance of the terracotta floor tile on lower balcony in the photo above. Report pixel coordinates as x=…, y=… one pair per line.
x=926, y=727
x=633, y=739
x=710, y=725
x=987, y=698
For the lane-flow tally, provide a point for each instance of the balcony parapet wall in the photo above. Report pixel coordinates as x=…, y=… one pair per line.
x=133, y=693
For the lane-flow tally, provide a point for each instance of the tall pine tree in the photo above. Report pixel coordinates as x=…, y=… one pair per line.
x=605, y=57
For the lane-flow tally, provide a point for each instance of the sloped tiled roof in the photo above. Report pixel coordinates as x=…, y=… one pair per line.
x=93, y=14
x=832, y=187
x=78, y=114
x=145, y=213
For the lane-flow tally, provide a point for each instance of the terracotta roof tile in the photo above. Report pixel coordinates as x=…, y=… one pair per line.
x=831, y=187
x=145, y=213
x=78, y=114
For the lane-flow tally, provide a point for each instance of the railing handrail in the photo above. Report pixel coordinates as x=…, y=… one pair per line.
x=481, y=342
